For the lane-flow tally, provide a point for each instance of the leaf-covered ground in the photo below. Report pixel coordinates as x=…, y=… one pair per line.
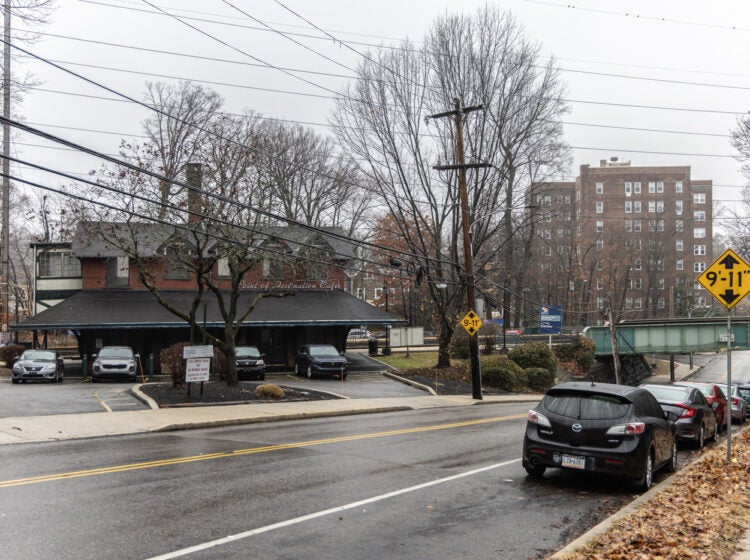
x=702, y=514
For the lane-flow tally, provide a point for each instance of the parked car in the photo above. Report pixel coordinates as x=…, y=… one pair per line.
x=713, y=394
x=744, y=390
x=738, y=405
x=320, y=359
x=116, y=362
x=696, y=418
x=250, y=363
x=359, y=333
x=38, y=365
x=601, y=428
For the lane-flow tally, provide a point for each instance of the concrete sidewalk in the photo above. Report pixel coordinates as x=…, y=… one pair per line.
x=59, y=427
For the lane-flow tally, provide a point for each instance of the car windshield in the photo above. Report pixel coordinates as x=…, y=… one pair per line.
x=39, y=355
x=247, y=352
x=323, y=351
x=667, y=393
x=744, y=391
x=116, y=353
x=585, y=406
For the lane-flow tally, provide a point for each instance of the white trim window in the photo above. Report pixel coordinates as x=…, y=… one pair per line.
x=699, y=267
x=599, y=207
x=659, y=187
x=652, y=187
x=699, y=250
x=679, y=245
x=628, y=189
x=699, y=216
x=699, y=198
x=678, y=207
x=680, y=264
x=599, y=226
x=699, y=233
x=599, y=188
x=637, y=187
x=678, y=187
x=628, y=206
x=636, y=206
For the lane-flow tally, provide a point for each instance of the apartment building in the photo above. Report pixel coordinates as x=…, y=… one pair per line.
x=630, y=238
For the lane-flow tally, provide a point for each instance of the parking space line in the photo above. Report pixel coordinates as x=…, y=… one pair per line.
x=101, y=402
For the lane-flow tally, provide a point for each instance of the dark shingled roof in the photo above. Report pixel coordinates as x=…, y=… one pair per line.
x=106, y=309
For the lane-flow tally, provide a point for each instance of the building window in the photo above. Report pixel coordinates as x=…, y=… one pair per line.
x=660, y=284
x=317, y=266
x=176, y=267
x=599, y=284
x=699, y=198
x=637, y=206
x=680, y=264
x=638, y=303
x=548, y=217
x=560, y=250
x=637, y=225
x=360, y=293
x=652, y=206
x=699, y=215
x=678, y=207
x=599, y=188
x=548, y=234
x=638, y=244
x=661, y=303
x=679, y=245
x=660, y=225
x=651, y=187
x=600, y=303
x=637, y=187
x=637, y=283
x=699, y=250
x=272, y=267
x=660, y=206
x=637, y=264
x=600, y=244
x=699, y=267
x=679, y=225
x=58, y=265
x=659, y=186
x=222, y=267
x=599, y=207
x=699, y=233
x=628, y=303
x=628, y=225
x=599, y=265
x=571, y=286
x=548, y=251
x=599, y=226
x=628, y=207
x=678, y=187
x=628, y=189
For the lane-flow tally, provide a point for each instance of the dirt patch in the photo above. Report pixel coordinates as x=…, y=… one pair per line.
x=216, y=392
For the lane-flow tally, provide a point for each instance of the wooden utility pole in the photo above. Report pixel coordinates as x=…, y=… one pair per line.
x=5, y=250
x=457, y=113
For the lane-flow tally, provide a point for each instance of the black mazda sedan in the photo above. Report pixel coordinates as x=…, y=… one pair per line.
x=602, y=428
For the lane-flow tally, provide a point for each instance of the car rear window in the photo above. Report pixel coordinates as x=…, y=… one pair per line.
x=586, y=406
x=669, y=393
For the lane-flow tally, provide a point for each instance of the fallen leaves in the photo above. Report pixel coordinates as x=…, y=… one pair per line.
x=702, y=514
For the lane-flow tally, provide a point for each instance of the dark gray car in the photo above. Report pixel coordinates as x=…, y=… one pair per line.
x=696, y=419
x=320, y=359
x=39, y=365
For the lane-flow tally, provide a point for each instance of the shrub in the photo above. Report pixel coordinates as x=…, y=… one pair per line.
x=534, y=354
x=539, y=379
x=581, y=352
x=10, y=353
x=269, y=391
x=501, y=372
x=171, y=359
x=522, y=379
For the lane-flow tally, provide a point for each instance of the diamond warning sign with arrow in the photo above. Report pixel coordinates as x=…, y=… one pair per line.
x=727, y=279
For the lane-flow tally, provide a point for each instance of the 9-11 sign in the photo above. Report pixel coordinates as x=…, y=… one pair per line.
x=727, y=279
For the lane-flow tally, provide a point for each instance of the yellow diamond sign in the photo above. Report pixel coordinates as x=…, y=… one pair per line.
x=727, y=279
x=471, y=322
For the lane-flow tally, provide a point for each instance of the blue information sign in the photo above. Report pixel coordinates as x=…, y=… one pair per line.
x=550, y=319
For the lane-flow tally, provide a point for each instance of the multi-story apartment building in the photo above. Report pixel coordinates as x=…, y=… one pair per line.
x=630, y=238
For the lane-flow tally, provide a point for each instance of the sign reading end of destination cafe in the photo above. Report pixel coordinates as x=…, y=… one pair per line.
x=727, y=279
x=471, y=322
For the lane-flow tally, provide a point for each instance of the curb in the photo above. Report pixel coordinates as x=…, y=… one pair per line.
x=410, y=382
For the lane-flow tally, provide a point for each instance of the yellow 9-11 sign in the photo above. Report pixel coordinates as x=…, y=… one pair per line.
x=471, y=322
x=727, y=279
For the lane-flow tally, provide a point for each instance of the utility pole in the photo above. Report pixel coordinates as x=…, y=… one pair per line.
x=457, y=113
x=5, y=252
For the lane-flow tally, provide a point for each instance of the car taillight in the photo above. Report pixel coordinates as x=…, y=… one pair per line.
x=687, y=411
x=539, y=419
x=735, y=400
x=629, y=429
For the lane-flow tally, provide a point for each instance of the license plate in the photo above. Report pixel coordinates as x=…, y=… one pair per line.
x=574, y=461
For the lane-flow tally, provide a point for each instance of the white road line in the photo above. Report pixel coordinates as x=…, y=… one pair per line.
x=309, y=516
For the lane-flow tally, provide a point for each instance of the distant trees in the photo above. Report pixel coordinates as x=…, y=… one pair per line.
x=380, y=119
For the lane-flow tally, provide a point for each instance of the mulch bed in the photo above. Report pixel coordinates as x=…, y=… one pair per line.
x=217, y=392
x=447, y=381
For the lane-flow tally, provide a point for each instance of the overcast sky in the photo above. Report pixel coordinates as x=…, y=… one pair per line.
x=681, y=66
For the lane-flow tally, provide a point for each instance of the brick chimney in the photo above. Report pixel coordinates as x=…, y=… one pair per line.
x=194, y=178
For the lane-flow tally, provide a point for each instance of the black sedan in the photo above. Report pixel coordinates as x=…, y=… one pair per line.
x=250, y=363
x=602, y=428
x=320, y=359
x=38, y=365
x=697, y=419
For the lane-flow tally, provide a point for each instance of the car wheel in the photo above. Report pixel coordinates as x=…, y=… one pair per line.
x=296, y=369
x=672, y=467
x=535, y=471
x=700, y=441
x=309, y=372
x=647, y=478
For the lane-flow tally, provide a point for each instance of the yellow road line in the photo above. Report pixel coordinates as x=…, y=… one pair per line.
x=101, y=402
x=249, y=451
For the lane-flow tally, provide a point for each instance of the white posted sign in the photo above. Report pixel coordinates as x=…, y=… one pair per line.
x=197, y=369
x=205, y=351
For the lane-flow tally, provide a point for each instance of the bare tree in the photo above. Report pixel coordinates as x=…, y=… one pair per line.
x=381, y=120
